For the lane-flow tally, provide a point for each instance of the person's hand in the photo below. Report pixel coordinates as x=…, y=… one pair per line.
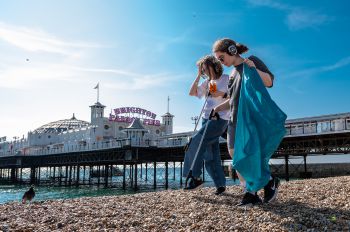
x=250, y=63
x=214, y=115
x=199, y=71
x=215, y=94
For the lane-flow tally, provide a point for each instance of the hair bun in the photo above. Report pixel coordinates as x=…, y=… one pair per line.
x=241, y=48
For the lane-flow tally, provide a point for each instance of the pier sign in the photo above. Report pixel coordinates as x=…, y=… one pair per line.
x=128, y=114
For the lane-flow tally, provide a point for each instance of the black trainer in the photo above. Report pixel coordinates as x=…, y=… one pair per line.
x=193, y=184
x=220, y=190
x=271, y=190
x=250, y=199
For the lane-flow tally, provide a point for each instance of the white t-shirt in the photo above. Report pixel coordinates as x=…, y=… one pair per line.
x=222, y=86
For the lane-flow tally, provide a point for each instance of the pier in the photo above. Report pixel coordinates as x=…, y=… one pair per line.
x=140, y=166
x=134, y=164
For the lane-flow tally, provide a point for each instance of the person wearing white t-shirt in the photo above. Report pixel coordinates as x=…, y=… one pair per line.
x=216, y=85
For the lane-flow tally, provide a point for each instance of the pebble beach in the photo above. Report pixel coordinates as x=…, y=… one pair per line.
x=302, y=205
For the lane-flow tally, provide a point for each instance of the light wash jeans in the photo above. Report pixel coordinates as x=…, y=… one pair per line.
x=209, y=152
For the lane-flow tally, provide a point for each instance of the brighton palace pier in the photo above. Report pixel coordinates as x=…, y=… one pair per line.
x=132, y=148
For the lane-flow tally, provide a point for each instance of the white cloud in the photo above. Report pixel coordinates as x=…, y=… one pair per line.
x=33, y=76
x=299, y=19
x=316, y=70
x=36, y=40
x=269, y=3
x=63, y=61
x=296, y=18
x=126, y=80
x=341, y=63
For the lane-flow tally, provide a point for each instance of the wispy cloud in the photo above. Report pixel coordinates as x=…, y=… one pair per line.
x=166, y=42
x=296, y=18
x=299, y=19
x=59, y=63
x=26, y=77
x=126, y=80
x=34, y=76
x=189, y=37
x=37, y=40
x=317, y=70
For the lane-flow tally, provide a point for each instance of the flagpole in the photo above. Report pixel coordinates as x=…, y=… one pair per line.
x=168, y=104
x=98, y=91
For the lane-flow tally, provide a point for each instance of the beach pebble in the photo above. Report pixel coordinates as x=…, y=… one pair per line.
x=302, y=205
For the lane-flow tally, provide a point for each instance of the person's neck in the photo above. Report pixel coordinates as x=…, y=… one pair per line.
x=238, y=61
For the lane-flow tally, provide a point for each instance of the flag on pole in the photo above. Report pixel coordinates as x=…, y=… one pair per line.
x=97, y=86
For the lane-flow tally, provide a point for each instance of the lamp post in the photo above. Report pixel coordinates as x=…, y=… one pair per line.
x=195, y=119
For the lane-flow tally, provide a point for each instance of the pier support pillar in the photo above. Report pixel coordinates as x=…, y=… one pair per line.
x=20, y=175
x=66, y=179
x=131, y=175
x=70, y=175
x=32, y=175
x=60, y=175
x=305, y=168
x=106, y=175
x=78, y=175
x=84, y=169
x=135, y=172
x=146, y=172
x=181, y=173
x=54, y=174
x=124, y=173
x=99, y=174
x=141, y=170
x=287, y=167
x=90, y=171
x=166, y=175
x=13, y=174
x=154, y=175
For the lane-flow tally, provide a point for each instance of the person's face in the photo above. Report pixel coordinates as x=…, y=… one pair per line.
x=225, y=58
x=207, y=71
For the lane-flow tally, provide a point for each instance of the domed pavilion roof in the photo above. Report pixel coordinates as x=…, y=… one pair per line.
x=62, y=125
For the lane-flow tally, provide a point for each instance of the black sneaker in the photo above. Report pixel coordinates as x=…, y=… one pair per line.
x=271, y=190
x=250, y=199
x=193, y=184
x=220, y=190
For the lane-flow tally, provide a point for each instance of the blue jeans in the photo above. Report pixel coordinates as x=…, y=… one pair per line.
x=209, y=152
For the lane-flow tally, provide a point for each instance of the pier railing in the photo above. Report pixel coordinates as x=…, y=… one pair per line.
x=333, y=141
x=101, y=145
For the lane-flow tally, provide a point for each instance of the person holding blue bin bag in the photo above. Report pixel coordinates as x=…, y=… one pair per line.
x=256, y=125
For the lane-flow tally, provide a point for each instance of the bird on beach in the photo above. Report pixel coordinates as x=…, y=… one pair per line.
x=28, y=195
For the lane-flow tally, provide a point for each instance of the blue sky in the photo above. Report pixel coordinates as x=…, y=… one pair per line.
x=53, y=53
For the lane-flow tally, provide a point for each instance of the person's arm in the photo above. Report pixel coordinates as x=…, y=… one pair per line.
x=223, y=106
x=265, y=74
x=194, y=86
x=266, y=78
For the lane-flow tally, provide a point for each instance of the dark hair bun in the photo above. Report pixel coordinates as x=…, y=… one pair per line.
x=241, y=48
